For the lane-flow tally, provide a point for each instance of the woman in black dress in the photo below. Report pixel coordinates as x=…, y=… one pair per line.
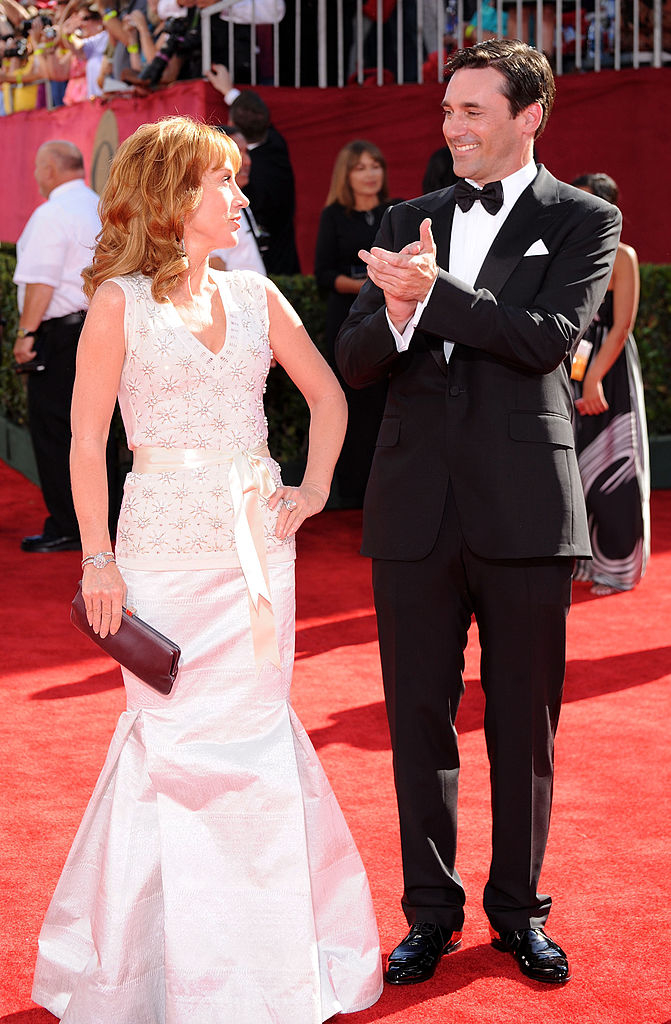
x=611, y=431
x=357, y=198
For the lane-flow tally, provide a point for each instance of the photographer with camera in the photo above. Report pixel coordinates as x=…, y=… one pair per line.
x=55, y=60
x=21, y=68
x=173, y=51
x=114, y=14
x=83, y=34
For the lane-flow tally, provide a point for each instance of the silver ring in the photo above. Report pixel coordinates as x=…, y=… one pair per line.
x=288, y=503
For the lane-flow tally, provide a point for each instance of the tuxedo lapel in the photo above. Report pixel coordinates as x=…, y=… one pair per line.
x=439, y=206
x=532, y=213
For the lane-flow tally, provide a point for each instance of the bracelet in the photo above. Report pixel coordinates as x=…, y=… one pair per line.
x=108, y=15
x=100, y=560
x=133, y=48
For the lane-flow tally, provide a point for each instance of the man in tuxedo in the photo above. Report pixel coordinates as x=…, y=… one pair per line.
x=477, y=296
x=271, y=190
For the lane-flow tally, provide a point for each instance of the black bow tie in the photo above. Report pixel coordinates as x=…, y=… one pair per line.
x=491, y=196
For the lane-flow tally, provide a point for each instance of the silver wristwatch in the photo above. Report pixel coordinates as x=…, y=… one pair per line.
x=100, y=560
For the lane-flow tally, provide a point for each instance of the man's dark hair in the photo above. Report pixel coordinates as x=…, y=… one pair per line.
x=250, y=115
x=599, y=184
x=527, y=73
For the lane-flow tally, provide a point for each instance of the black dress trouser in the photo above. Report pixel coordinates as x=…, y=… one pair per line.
x=49, y=401
x=424, y=610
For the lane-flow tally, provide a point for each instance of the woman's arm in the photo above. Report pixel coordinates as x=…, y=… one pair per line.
x=317, y=383
x=100, y=356
x=15, y=12
x=146, y=40
x=626, y=289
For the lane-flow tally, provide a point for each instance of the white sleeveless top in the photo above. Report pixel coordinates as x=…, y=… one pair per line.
x=176, y=394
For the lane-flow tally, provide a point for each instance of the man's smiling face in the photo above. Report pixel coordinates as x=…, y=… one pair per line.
x=487, y=143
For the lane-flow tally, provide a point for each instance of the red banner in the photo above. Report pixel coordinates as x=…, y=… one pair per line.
x=612, y=121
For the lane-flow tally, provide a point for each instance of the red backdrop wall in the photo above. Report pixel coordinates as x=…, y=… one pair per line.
x=616, y=122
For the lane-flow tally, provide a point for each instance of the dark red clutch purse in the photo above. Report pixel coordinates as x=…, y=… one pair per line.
x=137, y=646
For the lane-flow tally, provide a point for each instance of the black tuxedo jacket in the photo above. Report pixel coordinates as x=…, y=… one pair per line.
x=272, y=196
x=497, y=420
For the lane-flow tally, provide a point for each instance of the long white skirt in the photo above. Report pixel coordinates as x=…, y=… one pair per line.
x=213, y=878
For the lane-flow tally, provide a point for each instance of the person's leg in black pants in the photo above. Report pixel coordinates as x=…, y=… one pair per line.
x=423, y=612
x=49, y=400
x=521, y=608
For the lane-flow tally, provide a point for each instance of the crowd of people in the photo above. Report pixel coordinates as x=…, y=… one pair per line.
x=64, y=51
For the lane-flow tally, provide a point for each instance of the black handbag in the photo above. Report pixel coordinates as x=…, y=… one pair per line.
x=136, y=645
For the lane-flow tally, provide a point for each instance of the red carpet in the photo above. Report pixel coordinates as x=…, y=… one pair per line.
x=607, y=864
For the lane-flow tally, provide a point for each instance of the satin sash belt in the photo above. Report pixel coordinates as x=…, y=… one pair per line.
x=248, y=478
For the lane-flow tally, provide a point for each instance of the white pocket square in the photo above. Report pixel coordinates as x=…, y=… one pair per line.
x=538, y=248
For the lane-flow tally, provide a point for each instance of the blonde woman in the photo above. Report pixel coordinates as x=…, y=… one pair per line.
x=357, y=198
x=213, y=877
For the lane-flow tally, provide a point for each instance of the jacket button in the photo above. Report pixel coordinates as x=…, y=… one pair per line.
x=455, y=391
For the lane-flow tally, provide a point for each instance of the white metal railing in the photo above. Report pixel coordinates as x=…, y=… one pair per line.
x=610, y=34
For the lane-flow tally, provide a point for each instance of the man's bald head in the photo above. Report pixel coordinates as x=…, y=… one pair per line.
x=56, y=162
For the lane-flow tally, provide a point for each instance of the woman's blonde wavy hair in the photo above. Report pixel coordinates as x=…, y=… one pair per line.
x=154, y=183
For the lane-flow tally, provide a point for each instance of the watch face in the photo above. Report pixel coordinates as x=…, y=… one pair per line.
x=100, y=561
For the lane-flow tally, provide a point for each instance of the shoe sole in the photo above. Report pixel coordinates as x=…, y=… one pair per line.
x=450, y=948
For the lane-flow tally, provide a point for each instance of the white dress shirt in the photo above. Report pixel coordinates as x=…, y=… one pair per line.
x=55, y=246
x=473, y=233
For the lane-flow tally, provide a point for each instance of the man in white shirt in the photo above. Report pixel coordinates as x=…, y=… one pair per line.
x=55, y=246
x=478, y=295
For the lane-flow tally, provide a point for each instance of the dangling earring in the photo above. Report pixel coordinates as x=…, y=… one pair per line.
x=181, y=251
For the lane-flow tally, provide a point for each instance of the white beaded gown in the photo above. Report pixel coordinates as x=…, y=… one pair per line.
x=213, y=878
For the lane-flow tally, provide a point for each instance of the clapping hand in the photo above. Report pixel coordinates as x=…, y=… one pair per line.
x=405, y=277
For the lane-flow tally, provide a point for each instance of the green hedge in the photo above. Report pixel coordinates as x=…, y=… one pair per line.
x=653, y=338
x=286, y=410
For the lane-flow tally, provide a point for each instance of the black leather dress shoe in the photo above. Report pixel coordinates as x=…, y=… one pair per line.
x=42, y=544
x=416, y=957
x=538, y=956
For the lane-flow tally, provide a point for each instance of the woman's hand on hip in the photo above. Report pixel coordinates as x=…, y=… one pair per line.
x=104, y=594
x=296, y=504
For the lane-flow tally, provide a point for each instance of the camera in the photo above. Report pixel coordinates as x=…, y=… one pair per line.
x=17, y=47
x=183, y=41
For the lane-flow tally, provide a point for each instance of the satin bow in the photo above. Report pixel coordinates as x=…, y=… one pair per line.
x=249, y=478
x=491, y=195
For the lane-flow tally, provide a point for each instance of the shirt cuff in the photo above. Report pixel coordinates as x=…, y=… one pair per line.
x=403, y=340
x=231, y=95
